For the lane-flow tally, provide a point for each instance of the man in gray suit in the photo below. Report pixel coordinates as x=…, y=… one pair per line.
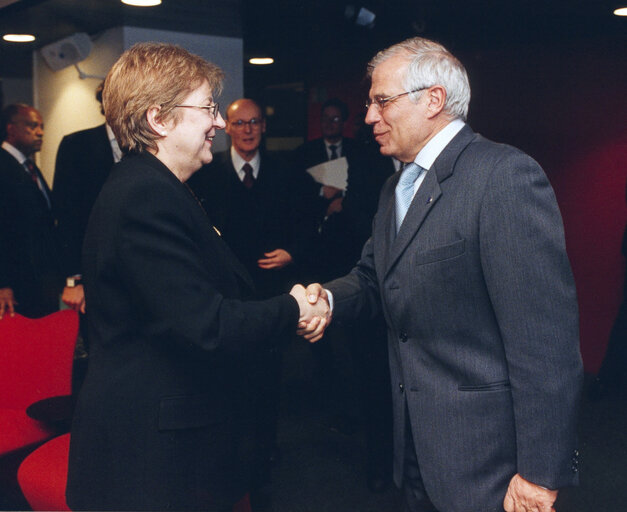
x=477, y=292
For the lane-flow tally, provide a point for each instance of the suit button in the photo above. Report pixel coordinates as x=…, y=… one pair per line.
x=403, y=337
x=401, y=388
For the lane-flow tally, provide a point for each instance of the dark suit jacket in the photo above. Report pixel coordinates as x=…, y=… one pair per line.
x=29, y=260
x=84, y=160
x=271, y=215
x=161, y=419
x=343, y=234
x=314, y=151
x=480, y=305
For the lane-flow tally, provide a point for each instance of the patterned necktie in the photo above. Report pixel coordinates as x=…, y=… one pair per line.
x=405, y=191
x=32, y=170
x=34, y=175
x=333, y=149
x=248, y=180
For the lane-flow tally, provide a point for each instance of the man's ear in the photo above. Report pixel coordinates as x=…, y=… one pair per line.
x=156, y=122
x=436, y=99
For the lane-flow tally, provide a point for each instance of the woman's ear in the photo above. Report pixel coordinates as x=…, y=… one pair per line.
x=156, y=122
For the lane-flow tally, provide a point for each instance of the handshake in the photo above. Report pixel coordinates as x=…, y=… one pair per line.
x=315, y=312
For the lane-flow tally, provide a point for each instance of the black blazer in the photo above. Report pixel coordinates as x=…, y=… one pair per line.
x=29, y=259
x=84, y=160
x=314, y=151
x=343, y=234
x=162, y=419
x=273, y=214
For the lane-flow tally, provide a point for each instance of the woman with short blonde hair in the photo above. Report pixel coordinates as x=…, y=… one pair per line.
x=162, y=420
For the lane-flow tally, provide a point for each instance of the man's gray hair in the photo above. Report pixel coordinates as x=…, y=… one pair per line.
x=429, y=63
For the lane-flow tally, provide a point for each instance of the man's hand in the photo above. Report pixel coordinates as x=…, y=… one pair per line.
x=314, y=331
x=74, y=297
x=524, y=496
x=7, y=302
x=314, y=314
x=278, y=258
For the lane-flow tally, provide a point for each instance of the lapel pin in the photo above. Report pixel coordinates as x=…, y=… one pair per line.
x=430, y=200
x=217, y=230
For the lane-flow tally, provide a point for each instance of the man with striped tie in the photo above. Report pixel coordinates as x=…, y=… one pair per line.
x=30, y=276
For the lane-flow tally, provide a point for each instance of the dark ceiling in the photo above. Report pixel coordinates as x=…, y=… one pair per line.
x=314, y=37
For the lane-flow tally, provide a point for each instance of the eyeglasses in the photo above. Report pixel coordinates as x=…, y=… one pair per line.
x=334, y=119
x=212, y=109
x=240, y=123
x=382, y=102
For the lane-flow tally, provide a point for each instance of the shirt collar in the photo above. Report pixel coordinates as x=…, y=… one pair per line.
x=16, y=153
x=436, y=145
x=338, y=145
x=238, y=163
x=115, y=147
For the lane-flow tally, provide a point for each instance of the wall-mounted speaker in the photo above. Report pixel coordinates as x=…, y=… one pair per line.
x=68, y=51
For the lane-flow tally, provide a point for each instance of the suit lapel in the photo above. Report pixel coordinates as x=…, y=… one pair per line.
x=44, y=183
x=425, y=199
x=214, y=237
x=102, y=146
x=427, y=195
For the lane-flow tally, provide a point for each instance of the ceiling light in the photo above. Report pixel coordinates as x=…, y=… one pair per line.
x=621, y=11
x=18, y=38
x=142, y=3
x=261, y=61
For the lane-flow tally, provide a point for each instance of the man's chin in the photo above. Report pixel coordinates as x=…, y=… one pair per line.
x=385, y=150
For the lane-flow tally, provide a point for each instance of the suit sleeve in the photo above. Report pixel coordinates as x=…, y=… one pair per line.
x=531, y=287
x=169, y=276
x=66, y=194
x=301, y=218
x=7, y=243
x=357, y=294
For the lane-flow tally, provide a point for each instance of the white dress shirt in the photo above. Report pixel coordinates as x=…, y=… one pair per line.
x=239, y=162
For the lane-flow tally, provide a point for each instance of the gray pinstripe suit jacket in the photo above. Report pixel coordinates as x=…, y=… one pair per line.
x=482, y=318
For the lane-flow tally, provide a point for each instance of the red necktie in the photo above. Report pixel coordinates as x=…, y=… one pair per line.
x=248, y=180
x=32, y=170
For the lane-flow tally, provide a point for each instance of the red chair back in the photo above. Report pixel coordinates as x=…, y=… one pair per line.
x=36, y=357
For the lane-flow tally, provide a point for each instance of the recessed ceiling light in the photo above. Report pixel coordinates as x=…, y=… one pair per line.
x=621, y=11
x=261, y=61
x=142, y=3
x=18, y=38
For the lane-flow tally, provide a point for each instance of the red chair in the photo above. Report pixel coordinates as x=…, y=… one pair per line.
x=36, y=357
x=43, y=475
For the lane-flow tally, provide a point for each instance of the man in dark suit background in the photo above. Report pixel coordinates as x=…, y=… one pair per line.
x=257, y=203
x=30, y=276
x=330, y=146
x=84, y=159
x=350, y=370
x=467, y=262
